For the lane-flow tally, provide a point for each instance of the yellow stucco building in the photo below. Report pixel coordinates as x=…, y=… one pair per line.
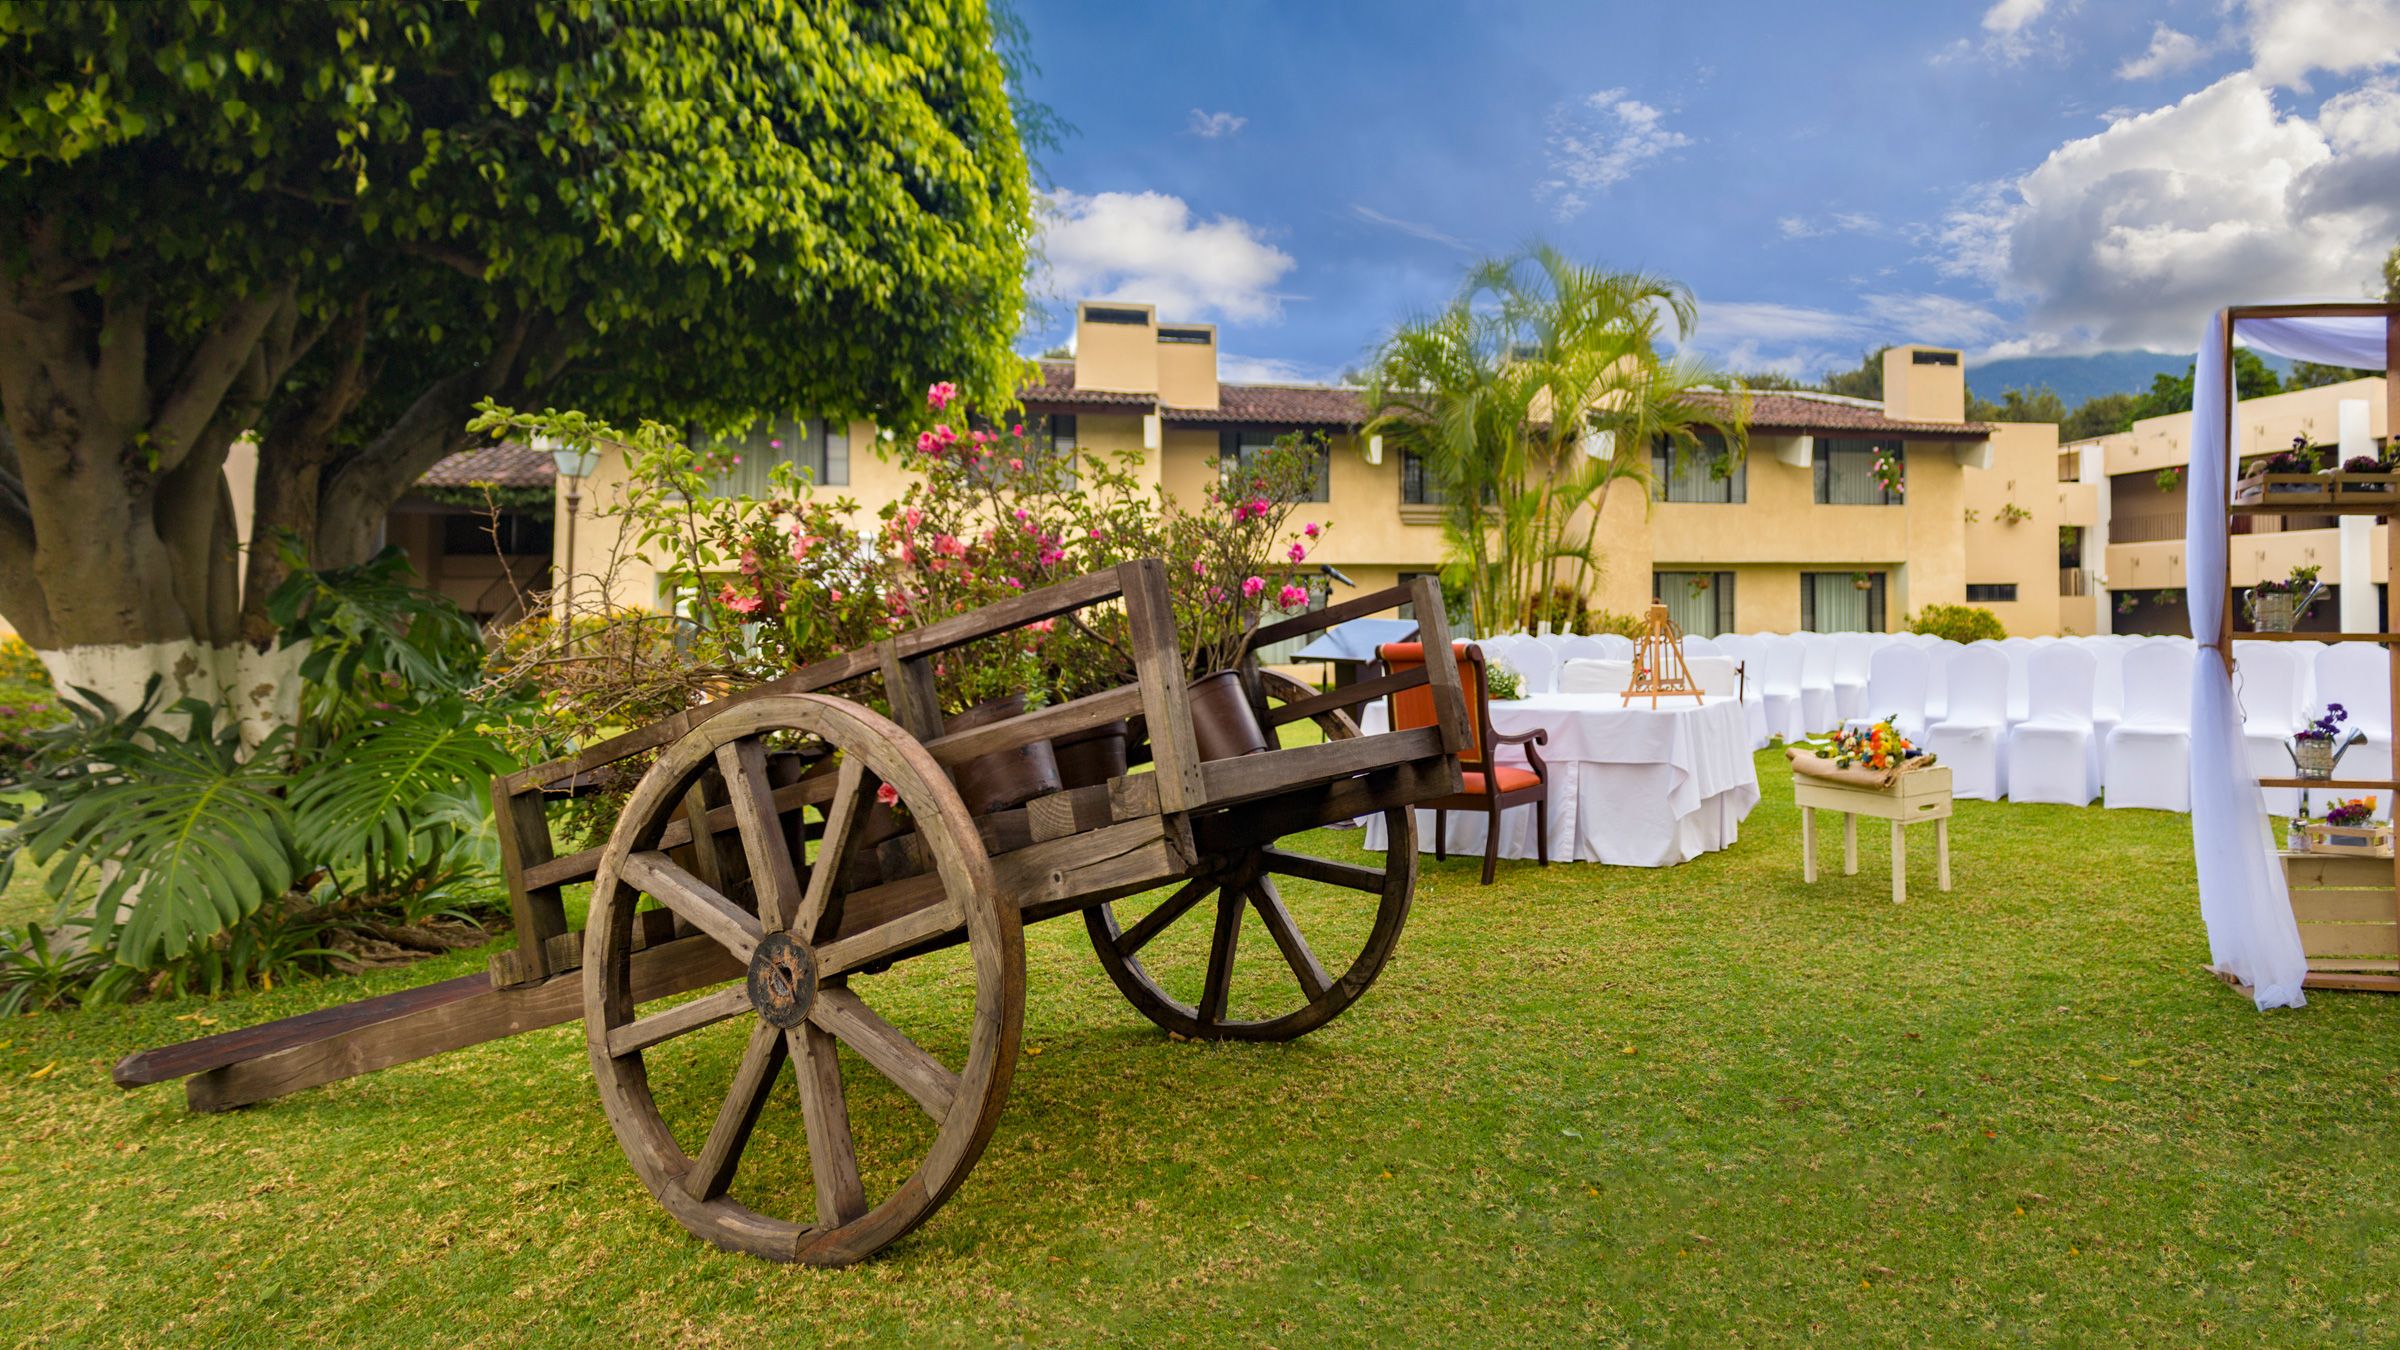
x=1799, y=535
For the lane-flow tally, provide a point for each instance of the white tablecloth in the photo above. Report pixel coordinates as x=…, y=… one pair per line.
x=1631, y=786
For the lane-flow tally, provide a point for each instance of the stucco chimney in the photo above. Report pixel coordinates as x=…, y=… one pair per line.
x=1924, y=384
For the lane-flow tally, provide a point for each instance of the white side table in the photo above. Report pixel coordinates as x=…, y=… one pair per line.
x=1913, y=799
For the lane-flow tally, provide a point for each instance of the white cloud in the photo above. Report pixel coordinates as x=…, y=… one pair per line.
x=1270, y=370
x=2290, y=38
x=2011, y=16
x=1807, y=340
x=1598, y=142
x=1210, y=126
x=2169, y=51
x=1148, y=247
x=1413, y=229
x=1838, y=222
x=2130, y=237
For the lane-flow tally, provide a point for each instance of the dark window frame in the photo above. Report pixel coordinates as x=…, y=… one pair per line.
x=1821, y=468
x=1877, y=616
x=1233, y=443
x=1720, y=585
x=1664, y=457
x=1983, y=593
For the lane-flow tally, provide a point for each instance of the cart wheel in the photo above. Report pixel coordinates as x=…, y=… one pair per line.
x=799, y=1001
x=1250, y=884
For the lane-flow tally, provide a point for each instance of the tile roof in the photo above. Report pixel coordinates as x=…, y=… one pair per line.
x=507, y=464
x=1058, y=388
x=1295, y=404
x=1780, y=411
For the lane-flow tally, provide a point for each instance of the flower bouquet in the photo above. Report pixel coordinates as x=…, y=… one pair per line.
x=2349, y=825
x=2299, y=460
x=2279, y=606
x=2317, y=747
x=1872, y=756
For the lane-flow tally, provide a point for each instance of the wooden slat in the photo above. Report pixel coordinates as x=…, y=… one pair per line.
x=926, y=1080
x=1296, y=954
x=1349, y=695
x=1233, y=780
x=1113, y=855
x=762, y=1063
x=2351, y=906
x=766, y=847
x=2387, y=639
x=868, y=946
x=1326, y=804
x=457, y=1013
x=825, y=1115
x=1325, y=870
x=1316, y=620
x=2350, y=939
x=585, y=865
x=2324, y=869
x=1166, y=705
x=1032, y=607
x=522, y=828
x=2344, y=783
x=1441, y=666
x=1216, y=985
x=1167, y=911
x=1042, y=724
x=1070, y=812
x=909, y=685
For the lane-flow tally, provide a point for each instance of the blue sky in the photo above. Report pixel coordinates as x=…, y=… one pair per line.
x=2012, y=177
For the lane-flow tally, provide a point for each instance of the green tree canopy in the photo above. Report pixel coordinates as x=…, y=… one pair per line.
x=338, y=224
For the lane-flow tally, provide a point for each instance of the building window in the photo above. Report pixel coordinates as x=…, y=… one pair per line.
x=1700, y=603
x=1841, y=602
x=1706, y=472
x=1236, y=450
x=1418, y=487
x=1991, y=595
x=514, y=533
x=1846, y=472
x=816, y=448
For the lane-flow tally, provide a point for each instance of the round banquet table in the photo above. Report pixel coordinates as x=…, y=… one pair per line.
x=1628, y=785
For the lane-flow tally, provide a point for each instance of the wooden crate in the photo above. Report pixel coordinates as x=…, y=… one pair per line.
x=2344, y=906
x=2302, y=490
x=2371, y=840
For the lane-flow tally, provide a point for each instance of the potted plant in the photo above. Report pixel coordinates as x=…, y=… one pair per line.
x=1863, y=581
x=2278, y=606
x=1231, y=560
x=1891, y=473
x=2298, y=461
x=2317, y=747
x=2348, y=824
x=2360, y=465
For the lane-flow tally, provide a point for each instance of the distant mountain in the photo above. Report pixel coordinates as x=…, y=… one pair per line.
x=2077, y=378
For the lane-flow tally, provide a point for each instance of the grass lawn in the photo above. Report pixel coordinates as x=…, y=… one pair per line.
x=1587, y=1105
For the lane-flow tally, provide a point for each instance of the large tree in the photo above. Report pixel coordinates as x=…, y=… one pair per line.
x=334, y=226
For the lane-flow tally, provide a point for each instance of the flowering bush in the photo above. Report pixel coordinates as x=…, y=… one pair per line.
x=1236, y=553
x=2355, y=811
x=1891, y=473
x=28, y=704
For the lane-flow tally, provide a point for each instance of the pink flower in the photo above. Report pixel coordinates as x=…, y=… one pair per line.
x=1095, y=531
x=776, y=444
x=835, y=596
x=1258, y=506
x=887, y=795
x=1012, y=583
x=1017, y=430
x=1017, y=464
x=1252, y=586
x=928, y=443
x=1311, y=529
x=1293, y=598
x=938, y=396
x=738, y=602
x=1049, y=556
x=1297, y=553
x=1044, y=626
x=950, y=546
x=943, y=433
x=1199, y=568
x=915, y=517
x=749, y=563
x=801, y=544
x=1216, y=594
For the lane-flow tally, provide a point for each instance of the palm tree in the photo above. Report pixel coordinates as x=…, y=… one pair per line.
x=1476, y=391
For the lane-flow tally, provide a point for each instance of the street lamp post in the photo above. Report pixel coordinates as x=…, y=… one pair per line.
x=574, y=464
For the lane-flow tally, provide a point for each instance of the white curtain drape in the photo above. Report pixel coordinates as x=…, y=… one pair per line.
x=2243, y=901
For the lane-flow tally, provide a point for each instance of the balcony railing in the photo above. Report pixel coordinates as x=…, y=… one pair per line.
x=2073, y=581
x=2145, y=529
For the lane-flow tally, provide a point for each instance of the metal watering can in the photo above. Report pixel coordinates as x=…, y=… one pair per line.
x=2279, y=611
x=2315, y=759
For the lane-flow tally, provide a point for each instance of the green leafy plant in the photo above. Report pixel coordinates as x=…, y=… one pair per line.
x=38, y=972
x=2013, y=514
x=1504, y=681
x=2169, y=478
x=1958, y=623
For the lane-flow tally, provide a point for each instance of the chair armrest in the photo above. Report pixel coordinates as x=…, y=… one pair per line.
x=1539, y=736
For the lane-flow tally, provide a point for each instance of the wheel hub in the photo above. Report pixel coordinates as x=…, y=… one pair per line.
x=783, y=980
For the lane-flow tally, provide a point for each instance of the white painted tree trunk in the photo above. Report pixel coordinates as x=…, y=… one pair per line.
x=259, y=689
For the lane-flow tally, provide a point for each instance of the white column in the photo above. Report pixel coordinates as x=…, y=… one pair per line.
x=2358, y=574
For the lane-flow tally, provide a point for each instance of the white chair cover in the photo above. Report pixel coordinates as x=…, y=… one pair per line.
x=1750, y=664
x=1937, y=685
x=1896, y=682
x=1583, y=649
x=1778, y=678
x=1714, y=674
x=1818, y=711
x=1538, y=664
x=2019, y=651
x=2108, y=687
x=2357, y=676
x=2148, y=755
x=1594, y=675
x=1615, y=646
x=2053, y=755
x=1700, y=646
x=1851, y=653
x=2267, y=691
x=1971, y=737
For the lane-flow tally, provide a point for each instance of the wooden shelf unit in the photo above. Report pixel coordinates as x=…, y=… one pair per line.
x=2348, y=908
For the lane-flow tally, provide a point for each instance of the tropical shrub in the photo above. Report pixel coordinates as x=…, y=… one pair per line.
x=1236, y=554
x=1958, y=623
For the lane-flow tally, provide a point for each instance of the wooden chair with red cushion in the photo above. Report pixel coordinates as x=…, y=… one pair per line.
x=1488, y=787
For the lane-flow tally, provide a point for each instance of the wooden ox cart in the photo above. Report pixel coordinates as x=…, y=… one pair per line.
x=779, y=867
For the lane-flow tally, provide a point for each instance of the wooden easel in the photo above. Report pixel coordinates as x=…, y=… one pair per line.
x=1658, y=668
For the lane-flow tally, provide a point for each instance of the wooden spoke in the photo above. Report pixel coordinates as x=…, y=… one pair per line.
x=1351, y=875
x=743, y=765
x=683, y=1017
x=832, y=1156
x=1214, y=989
x=843, y=955
x=881, y=1044
x=1155, y=922
x=1313, y=980
x=833, y=847
x=712, y=1171
x=653, y=873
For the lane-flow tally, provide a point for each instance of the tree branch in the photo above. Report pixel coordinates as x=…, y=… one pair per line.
x=199, y=391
